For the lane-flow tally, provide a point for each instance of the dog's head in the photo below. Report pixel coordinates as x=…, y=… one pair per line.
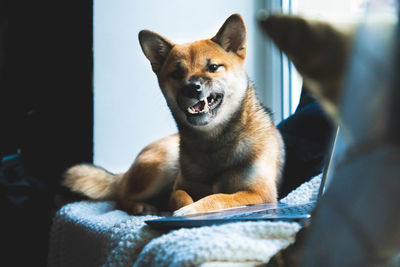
x=203, y=81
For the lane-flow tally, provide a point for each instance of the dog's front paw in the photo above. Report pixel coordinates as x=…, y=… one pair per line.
x=186, y=210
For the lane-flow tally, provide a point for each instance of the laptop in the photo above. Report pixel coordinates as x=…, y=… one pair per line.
x=261, y=212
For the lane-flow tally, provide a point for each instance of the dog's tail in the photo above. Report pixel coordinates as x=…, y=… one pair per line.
x=93, y=182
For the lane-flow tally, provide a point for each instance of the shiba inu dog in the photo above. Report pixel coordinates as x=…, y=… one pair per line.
x=228, y=152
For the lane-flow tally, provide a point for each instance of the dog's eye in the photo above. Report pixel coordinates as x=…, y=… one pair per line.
x=177, y=74
x=213, y=67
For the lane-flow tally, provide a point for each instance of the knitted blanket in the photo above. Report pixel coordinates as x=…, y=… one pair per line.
x=96, y=234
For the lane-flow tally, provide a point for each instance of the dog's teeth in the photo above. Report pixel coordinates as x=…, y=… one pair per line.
x=191, y=110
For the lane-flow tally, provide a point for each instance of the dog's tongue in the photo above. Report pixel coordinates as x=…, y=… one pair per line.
x=199, y=106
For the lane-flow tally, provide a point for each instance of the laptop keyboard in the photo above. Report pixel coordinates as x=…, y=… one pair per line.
x=302, y=209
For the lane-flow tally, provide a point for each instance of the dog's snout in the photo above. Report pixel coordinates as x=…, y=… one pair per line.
x=192, y=89
x=196, y=85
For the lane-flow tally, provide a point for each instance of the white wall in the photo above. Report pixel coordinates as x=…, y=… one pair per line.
x=129, y=109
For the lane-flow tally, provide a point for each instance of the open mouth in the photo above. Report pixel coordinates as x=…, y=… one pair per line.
x=206, y=105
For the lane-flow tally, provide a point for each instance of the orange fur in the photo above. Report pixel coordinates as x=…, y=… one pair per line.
x=154, y=168
x=94, y=182
x=179, y=199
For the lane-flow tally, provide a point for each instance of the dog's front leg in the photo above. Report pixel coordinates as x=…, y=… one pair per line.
x=224, y=201
x=179, y=199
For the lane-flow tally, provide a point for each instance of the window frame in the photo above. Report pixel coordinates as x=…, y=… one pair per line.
x=278, y=83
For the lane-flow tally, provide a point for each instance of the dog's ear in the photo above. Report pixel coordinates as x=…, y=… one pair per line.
x=319, y=50
x=155, y=47
x=232, y=36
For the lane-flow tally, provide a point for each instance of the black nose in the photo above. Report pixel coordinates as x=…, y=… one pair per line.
x=192, y=89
